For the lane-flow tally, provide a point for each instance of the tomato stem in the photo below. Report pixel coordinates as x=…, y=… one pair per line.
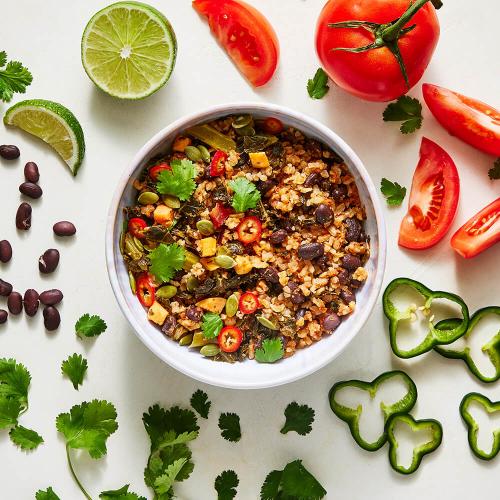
x=392, y=31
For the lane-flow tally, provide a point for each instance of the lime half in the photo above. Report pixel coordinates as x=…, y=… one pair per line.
x=54, y=124
x=129, y=50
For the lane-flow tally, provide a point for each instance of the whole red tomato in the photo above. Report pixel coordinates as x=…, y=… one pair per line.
x=376, y=44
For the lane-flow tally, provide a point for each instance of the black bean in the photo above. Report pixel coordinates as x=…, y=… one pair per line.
x=51, y=297
x=339, y=192
x=5, y=288
x=48, y=262
x=300, y=313
x=169, y=325
x=331, y=321
x=355, y=283
x=9, y=152
x=322, y=262
x=292, y=285
x=353, y=230
x=350, y=262
x=343, y=276
x=297, y=297
x=3, y=316
x=323, y=214
x=308, y=251
x=23, y=216
x=31, y=190
x=15, y=303
x=325, y=184
x=311, y=180
x=5, y=251
x=51, y=318
x=31, y=173
x=278, y=237
x=265, y=186
x=64, y=228
x=194, y=313
x=31, y=302
x=270, y=275
x=347, y=296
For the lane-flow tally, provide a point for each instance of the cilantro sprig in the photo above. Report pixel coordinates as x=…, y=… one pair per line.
x=211, y=325
x=494, y=172
x=225, y=485
x=199, y=401
x=246, y=195
x=26, y=439
x=48, y=494
x=299, y=418
x=14, y=383
x=90, y=326
x=14, y=78
x=120, y=494
x=179, y=181
x=166, y=260
x=317, y=87
x=75, y=368
x=394, y=193
x=270, y=351
x=406, y=109
x=229, y=424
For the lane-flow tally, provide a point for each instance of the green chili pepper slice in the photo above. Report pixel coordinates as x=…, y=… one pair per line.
x=473, y=427
x=212, y=137
x=435, y=428
x=352, y=415
x=435, y=335
x=491, y=348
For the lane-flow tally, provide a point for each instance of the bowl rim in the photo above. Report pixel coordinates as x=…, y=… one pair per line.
x=199, y=116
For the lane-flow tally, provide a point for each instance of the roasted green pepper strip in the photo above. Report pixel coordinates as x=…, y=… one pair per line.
x=419, y=451
x=212, y=137
x=436, y=335
x=491, y=348
x=352, y=415
x=473, y=427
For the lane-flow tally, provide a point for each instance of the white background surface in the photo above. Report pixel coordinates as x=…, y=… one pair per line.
x=46, y=37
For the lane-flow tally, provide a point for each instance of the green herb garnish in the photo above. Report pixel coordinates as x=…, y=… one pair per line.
x=494, y=172
x=90, y=326
x=14, y=383
x=271, y=351
x=48, y=494
x=120, y=494
x=200, y=403
x=405, y=109
x=225, y=485
x=26, y=439
x=14, y=78
x=299, y=418
x=246, y=195
x=317, y=87
x=74, y=368
x=179, y=181
x=166, y=260
x=394, y=193
x=229, y=424
x=211, y=325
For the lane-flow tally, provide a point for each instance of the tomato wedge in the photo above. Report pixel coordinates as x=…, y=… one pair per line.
x=136, y=227
x=155, y=170
x=473, y=121
x=245, y=34
x=433, y=198
x=145, y=290
x=230, y=338
x=478, y=233
x=219, y=214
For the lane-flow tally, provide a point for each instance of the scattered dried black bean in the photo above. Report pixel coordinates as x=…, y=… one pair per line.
x=3, y=316
x=15, y=303
x=5, y=288
x=51, y=318
x=31, y=189
x=48, y=262
x=350, y=262
x=23, y=216
x=353, y=230
x=31, y=302
x=309, y=251
x=278, y=237
x=31, y=173
x=323, y=214
x=5, y=251
x=51, y=297
x=9, y=152
x=64, y=228
x=194, y=313
x=331, y=321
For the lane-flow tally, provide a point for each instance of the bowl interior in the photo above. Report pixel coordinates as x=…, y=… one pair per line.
x=247, y=374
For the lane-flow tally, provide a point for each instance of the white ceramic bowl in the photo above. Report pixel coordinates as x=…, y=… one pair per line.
x=248, y=374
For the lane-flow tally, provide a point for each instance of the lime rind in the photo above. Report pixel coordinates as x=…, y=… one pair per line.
x=129, y=50
x=54, y=124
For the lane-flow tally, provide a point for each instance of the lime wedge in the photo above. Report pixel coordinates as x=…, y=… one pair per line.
x=129, y=50
x=54, y=124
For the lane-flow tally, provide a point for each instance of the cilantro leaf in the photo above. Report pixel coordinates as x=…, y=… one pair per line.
x=121, y=494
x=166, y=260
x=163, y=484
x=299, y=418
x=199, y=401
x=271, y=351
x=318, y=87
x=179, y=181
x=13, y=78
x=74, y=368
x=405, y=109
x=87, y=426
x=494, y=172
x=211, y=325
x=90, y=326
x=270, y=490
x=26, y=439
x=14, y=383
x=246, y=195
x=48, y=494
x=229, y=424
x=171, y=438
x=225, y=485
x=394, y=193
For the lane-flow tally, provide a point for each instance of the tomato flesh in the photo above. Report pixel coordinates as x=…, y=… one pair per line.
x=472, y=121
x=230, y=338
x=219, y=214
x=433, y=199
x=217, y=167
x=145, y=290
x=248, y=303
x=155, y=170
x=246, y=35
x=249, y=230
x=136, y=227
x=479, y=233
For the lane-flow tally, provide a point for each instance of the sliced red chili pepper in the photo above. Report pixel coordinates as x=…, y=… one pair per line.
x=272, y=126
x=145, y=290
x=230, y=338
x=249, y=302
x=155, y=170
x=219, y=214
x=217, y=166
x=136, y=227
x=249, y=230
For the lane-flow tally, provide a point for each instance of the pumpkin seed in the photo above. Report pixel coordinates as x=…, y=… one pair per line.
x=225, y=261
x=242, y=121
x=166, y=292
x=171, y=201
x=190, y=260
x=131, y=280
x=246, y=131
x=138, y=244
x=267, y=323
x=205, y=155
x=148, y=198
x=131, y=248
x=205, y=227
x=192, y=284
x=209, y=351
x=199, y=340
x=193, y=153
x=186, y=340
x=232, y=305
